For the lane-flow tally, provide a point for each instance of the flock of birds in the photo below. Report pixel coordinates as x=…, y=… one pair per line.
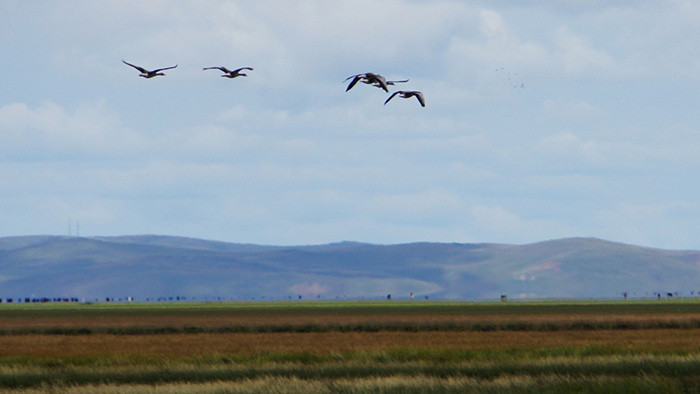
x=375, y=80
x=379, y=81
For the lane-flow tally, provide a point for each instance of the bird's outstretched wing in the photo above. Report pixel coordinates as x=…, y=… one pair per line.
x=242, y=68
x=391, y=97
x=355, y=80
x=222, y=69
x=420, y=98
x=143, y=70
x=164, y=68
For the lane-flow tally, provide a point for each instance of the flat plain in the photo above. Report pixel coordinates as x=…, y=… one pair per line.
x=352, y=346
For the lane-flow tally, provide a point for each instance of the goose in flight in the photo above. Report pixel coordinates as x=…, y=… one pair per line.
x=149, y=73
x=370, y=79
x=408, y=94
x=230, y=73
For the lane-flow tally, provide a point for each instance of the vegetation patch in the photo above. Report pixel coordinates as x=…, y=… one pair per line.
x=231, y=349
x=417, y=326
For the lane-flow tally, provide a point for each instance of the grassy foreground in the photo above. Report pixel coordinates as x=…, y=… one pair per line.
x=352, y=347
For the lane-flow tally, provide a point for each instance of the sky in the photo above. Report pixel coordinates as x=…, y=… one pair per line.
x=543, y=120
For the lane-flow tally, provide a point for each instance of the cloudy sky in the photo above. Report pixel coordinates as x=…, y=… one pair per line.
x=576, y=118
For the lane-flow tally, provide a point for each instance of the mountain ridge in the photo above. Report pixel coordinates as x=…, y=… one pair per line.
x=154, y=266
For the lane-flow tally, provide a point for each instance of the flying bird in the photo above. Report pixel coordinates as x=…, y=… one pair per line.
x=370, y=79
x=230, y=73
x=149, y=73
x=408, y=94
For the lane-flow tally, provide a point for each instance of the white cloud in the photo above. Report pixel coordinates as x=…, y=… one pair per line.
x=426, y=208
x=503, y=225
x=51, y=131
x=631, y=220
x=567, y=145
x=572, y=111
x=496, y=46
x=492, y=24
x=578, y=56
x=286, y=155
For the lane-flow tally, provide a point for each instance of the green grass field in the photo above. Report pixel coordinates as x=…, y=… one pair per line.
x=364, y=346
x=680, y=305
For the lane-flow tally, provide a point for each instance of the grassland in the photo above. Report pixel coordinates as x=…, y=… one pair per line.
x=351, y=347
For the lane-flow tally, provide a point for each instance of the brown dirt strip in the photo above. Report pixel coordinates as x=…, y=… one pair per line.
x=193, y=345
x=255, y=321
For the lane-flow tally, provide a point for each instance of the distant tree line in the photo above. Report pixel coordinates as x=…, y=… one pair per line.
x=27, y=300
x=35, y=300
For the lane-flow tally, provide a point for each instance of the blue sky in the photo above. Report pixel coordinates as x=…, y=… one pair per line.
x=542, y=121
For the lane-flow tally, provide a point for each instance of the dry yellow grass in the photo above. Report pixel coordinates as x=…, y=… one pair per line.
x=398, y=383
x=154, y=352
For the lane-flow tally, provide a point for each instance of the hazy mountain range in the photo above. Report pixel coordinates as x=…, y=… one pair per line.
x=149, y=266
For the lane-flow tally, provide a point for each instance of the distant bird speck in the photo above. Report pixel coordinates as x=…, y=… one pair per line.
x=148, y=73
x=230, y=73
x=513, y=79
x=408, y=94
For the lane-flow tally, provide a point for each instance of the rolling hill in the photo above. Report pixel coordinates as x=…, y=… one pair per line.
x=151, y=267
